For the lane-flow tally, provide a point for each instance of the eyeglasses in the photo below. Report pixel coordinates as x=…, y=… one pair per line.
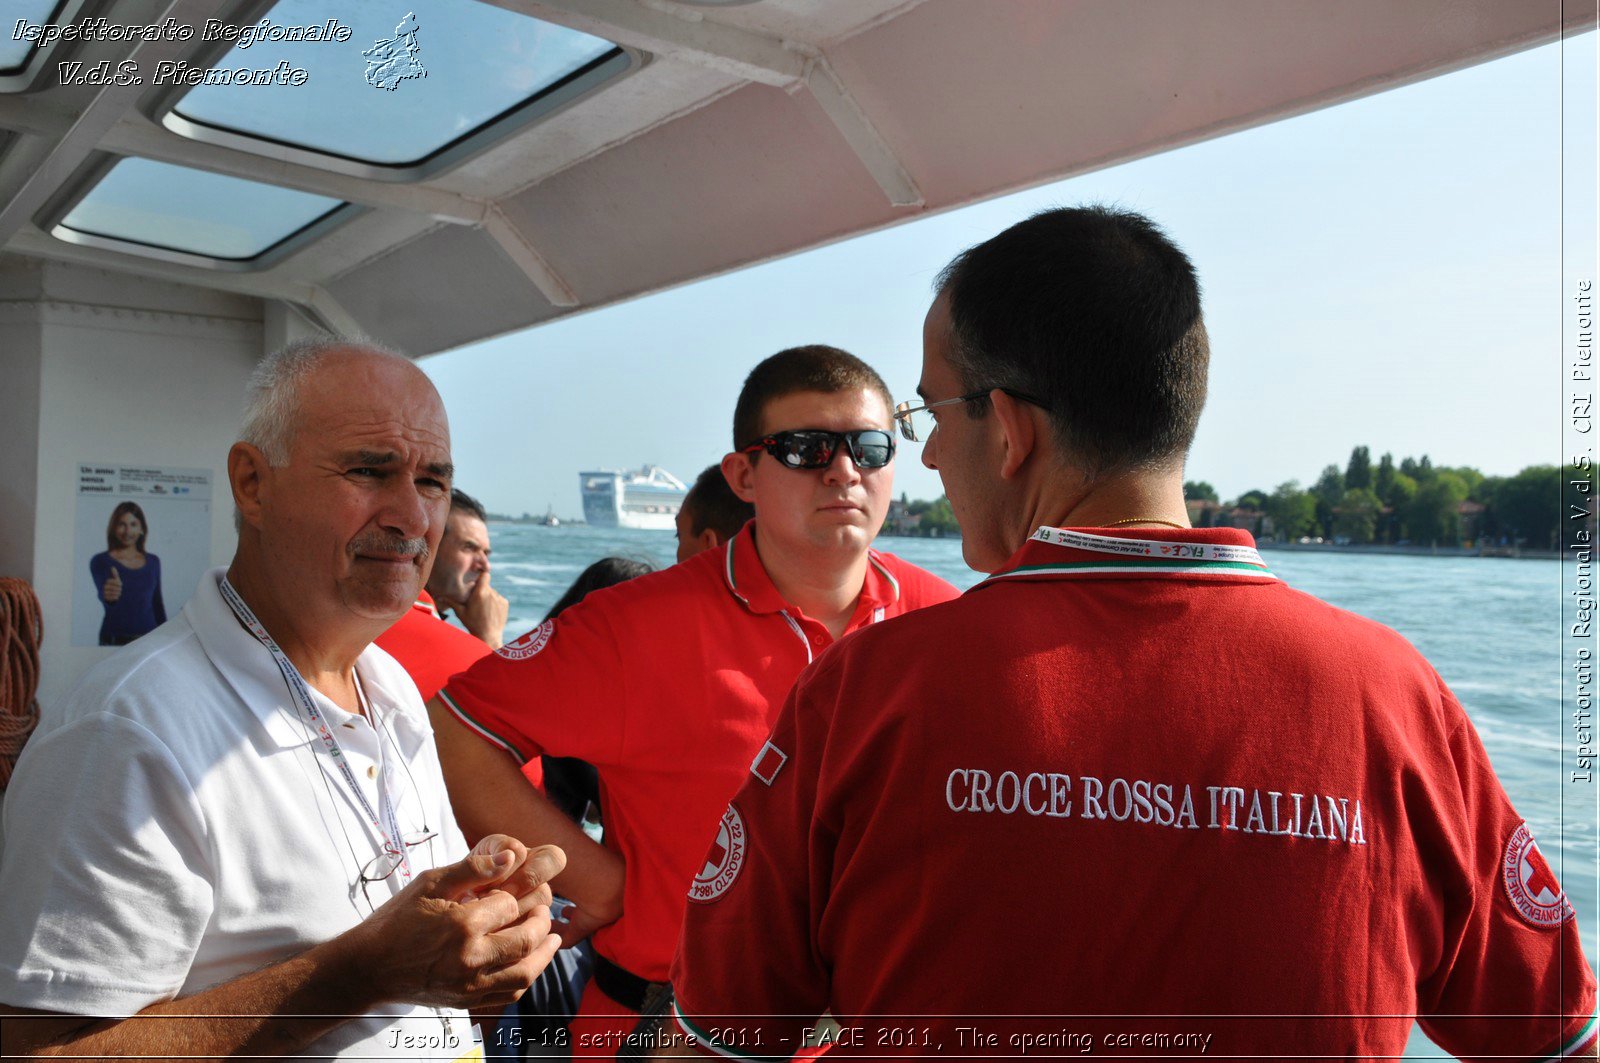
x=386, y=863
x=814, y=448
x=917, y=424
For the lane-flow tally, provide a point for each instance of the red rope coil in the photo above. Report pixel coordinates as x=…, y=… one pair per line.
x=21, y=632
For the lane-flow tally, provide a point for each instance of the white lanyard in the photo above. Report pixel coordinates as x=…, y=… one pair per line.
x=1156, y=548
x=388, y=826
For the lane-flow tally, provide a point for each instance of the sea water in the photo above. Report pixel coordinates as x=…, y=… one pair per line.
x=1492, y=627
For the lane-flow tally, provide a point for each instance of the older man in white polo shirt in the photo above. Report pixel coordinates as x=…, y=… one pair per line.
x=233, y=837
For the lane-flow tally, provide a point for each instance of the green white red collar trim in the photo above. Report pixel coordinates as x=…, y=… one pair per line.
x=1066, y=552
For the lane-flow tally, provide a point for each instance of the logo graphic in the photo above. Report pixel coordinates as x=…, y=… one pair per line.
x=723, y=861
x=768, y=762
x=394, y=60
x=1531, y=885
x=526, y=646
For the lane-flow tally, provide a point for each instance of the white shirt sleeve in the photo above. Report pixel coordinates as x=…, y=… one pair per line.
x=106, y=876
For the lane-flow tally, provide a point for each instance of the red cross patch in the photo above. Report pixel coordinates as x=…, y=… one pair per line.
x=1530, y=884
x=520, y=649
x=723, y=859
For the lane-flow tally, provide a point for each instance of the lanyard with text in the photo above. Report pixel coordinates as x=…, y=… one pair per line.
x=1111, y=544
x=386, y=824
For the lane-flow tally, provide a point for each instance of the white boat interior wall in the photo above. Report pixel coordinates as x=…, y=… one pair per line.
x=102, y=366
x=742, y=133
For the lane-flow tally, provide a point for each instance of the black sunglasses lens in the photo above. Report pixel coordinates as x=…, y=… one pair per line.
x=805, y=450
x=815, y=449
x=873, y=449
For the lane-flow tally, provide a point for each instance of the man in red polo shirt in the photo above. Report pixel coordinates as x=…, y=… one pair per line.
x=430, y=650
x=1130, y=775
x=459, y=580
x=669, y=684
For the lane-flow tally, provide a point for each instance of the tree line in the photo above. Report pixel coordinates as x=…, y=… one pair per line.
x=938, y=520
x=1413, y=502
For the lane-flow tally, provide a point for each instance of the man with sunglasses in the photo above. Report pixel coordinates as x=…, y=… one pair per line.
x=1131, y=775
x=669, y=683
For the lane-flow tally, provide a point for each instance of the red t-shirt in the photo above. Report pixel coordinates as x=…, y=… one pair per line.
x=1141, y=783
x=668, y=684
x=431, y=651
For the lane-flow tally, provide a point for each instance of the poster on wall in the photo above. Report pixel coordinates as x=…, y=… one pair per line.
x=142, y=542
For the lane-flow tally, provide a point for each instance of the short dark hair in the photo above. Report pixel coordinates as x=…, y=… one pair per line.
x=1096, y=313
x=606, y=572
x=461, y=502
x=712, y=504
x=116, y=515
x=816, y=367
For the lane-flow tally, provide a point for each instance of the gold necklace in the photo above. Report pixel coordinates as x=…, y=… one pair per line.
x=1143, y=520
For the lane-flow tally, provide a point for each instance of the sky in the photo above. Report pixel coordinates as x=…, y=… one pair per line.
x=1394, y=272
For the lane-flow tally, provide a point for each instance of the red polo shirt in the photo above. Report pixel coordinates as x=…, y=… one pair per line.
x=431, y=651
x=669, y=685
x=1132, y=775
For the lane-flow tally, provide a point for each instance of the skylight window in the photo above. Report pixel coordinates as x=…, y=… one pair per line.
x=174, y=208
x=26, y=24
x=391, y=94
x=16, y=47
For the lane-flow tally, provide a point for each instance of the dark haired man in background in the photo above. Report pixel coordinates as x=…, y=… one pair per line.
x=459, y=582
x=711, y=514
x=669, y=683
x=1140, y=776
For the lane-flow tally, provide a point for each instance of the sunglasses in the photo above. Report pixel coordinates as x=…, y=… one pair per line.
x=814, y=448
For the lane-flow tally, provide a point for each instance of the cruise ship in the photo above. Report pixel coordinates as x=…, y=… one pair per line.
x=647, y=498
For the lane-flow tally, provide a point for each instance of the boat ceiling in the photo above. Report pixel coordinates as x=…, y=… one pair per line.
x=736, y=134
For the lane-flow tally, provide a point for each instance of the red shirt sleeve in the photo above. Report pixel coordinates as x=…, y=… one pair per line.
x=748, y=976
x=559, y=689
x=430, y=650
x=1513, y=981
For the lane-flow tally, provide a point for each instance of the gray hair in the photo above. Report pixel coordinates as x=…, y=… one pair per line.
x=272, y=398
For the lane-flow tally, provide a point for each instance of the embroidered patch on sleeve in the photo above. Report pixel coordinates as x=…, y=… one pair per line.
x=1530, y=884
x=768, y=763
x=525, y=646
x=723, y=859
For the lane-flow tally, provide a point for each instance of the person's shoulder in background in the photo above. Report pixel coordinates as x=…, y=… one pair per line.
x=430, y=650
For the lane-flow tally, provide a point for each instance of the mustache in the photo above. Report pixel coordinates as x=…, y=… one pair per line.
x=391, y=545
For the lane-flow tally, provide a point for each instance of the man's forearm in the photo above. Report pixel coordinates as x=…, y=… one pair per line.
x=256, y=1014
x=475, y=933
x=490, y=795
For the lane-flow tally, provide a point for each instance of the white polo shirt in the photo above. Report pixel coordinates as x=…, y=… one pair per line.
x=175, y=824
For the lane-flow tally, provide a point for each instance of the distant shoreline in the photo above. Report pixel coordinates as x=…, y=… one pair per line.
x=1504, y=552
x=1499, y=552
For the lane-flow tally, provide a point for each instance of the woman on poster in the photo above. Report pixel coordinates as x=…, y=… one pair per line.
x=127, y=580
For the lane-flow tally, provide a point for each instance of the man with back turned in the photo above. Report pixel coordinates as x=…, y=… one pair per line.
x=1138, y=775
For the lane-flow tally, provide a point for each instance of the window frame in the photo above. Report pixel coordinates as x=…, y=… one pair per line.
x=606, y=70
x=89, y=178
x=25, y=76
